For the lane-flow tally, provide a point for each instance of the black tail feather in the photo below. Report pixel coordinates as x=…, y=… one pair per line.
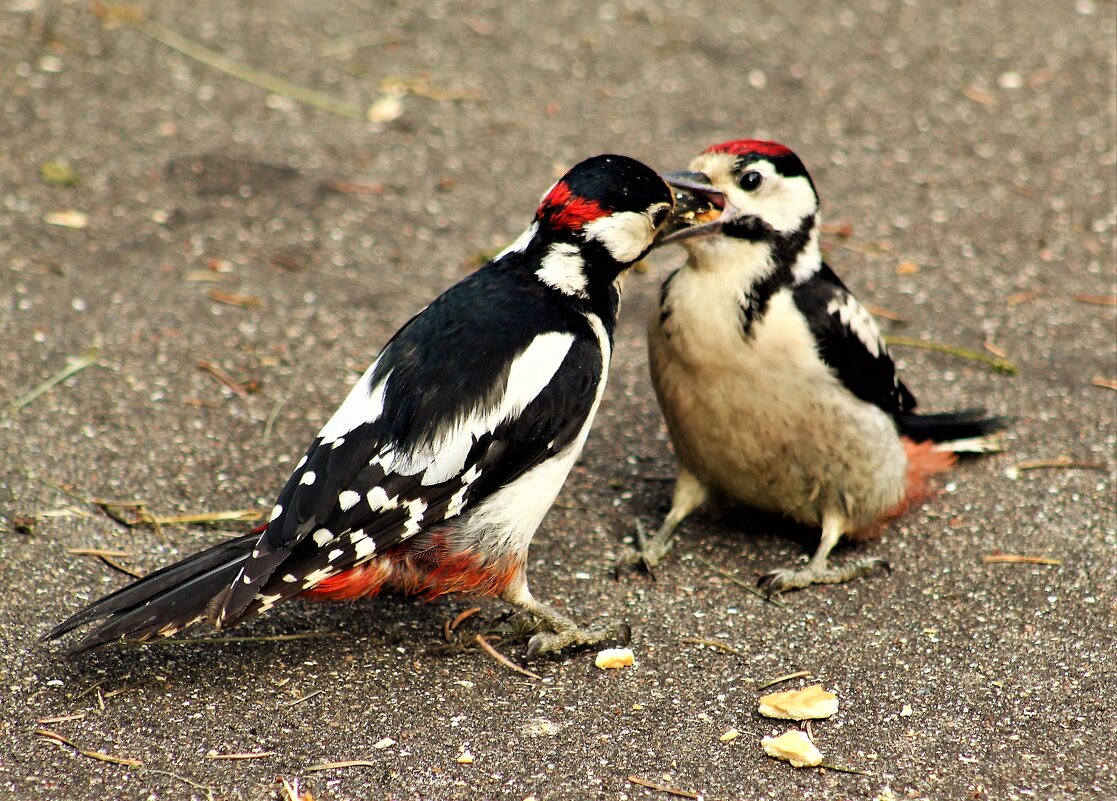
x=948, y=426
x=170, y=598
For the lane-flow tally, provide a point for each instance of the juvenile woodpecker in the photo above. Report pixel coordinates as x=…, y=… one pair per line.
x=778, y=390
x=434, y=473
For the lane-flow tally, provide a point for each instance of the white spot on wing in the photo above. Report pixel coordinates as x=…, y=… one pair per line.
x=308, y=478
x=363, y=547
x=348, y=499
x=378, y=500
x=276, y=511
x=302, y=461
x=322, y=537
x=416, y=509
x=563, y=269
x=334, y=555
x=319, y=575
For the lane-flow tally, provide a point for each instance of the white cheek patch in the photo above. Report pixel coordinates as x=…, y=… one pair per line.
x=625, y=234
x=563, y=269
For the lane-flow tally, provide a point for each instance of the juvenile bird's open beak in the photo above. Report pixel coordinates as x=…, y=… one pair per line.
x=700, y=210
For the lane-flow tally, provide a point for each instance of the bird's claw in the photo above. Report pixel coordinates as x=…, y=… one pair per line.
x=546, y=642
x=645, y=556
x=786, y=579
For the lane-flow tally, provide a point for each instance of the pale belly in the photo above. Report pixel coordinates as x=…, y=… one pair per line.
x=764, y=422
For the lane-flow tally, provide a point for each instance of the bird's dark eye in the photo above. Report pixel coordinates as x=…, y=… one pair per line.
x=750, y=181
x=659, y=216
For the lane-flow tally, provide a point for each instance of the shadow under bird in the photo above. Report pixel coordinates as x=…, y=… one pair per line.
x=434, y=473
x=777, y=388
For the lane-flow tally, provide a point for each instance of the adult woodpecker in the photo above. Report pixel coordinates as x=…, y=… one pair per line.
x=778, y=390
x=434, y=473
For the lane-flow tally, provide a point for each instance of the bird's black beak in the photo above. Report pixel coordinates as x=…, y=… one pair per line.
x=700, y=209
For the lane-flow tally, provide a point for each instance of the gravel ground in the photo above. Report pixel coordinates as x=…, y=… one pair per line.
x=969, y=146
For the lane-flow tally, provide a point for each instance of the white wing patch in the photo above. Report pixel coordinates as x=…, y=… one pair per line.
x=625, y=234
x=444, y=457
x=857, y=319
x=508, y=518
x=363, y=404
x=563, y=268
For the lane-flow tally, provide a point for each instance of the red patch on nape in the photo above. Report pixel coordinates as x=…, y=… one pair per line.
x=563, y=209
x=751, y=147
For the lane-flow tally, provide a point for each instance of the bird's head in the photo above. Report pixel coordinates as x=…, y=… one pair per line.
x=597, y=220
x=746, y=190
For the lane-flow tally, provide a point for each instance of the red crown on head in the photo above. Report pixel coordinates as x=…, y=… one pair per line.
x=751, y=147
x=563, y=209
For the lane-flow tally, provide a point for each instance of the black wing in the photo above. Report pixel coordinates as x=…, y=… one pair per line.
x=850, y=342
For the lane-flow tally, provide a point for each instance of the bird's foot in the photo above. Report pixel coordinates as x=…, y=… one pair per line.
x=794, y=579
x=646, y=555
x=566, y=633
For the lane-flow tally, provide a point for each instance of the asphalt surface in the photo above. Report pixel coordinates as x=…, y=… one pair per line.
x=970, y=147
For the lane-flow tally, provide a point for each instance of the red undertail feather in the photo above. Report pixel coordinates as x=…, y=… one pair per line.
x=431, y=572
x=923, y=462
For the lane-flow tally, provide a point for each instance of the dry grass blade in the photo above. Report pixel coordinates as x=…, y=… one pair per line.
x=204, y=787
x=349, y=763
x=72, y=366
x=663, y=788
x=238, y=389
x=720, y=646
x=100, y=756
x=1018, y=559
x=306, y=635
x=204, y=518
x=998, y=364
x=1097, y=300
x=243, y=755
x=61, y=719
x=221, y=62
x=115, y=565
x=881, y=311
x=1104, y=383
x=1062, y=463
x=725, y=574
x=234, y=299
x=802, y=674
x=473, y=610
x=96, y=552
x=502, y=659
x=843, y=769
x=304, y=699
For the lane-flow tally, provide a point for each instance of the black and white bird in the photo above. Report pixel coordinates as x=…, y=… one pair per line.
x=438, y=467
x=778, y=390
